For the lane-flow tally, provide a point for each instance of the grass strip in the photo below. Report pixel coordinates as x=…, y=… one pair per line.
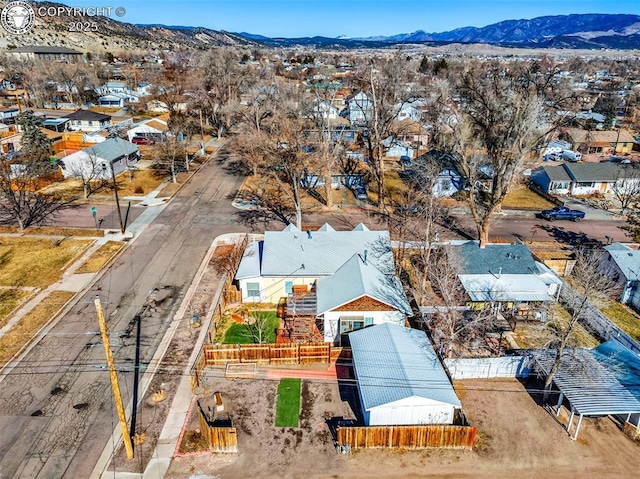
x=288, y=405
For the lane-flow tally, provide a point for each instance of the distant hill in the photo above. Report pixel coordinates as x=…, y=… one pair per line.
x=115, y=36
x=590, y=31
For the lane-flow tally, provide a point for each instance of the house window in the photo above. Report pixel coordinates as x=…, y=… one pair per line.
x=352, y=323
x=288, y=287
x=446, y=185
x=90, y=123
x=583, y=184
x=368, y=322
x=253, y=290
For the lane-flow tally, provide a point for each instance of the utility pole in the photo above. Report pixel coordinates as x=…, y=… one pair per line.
x=114, y=379
x=115, y=190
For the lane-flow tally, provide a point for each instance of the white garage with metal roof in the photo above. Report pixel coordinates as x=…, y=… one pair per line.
x=400, y=378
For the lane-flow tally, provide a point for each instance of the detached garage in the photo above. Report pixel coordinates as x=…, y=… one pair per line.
x=400, y=378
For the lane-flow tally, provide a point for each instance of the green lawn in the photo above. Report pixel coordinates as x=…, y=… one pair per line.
x=288, y=406
x=624, y=317
x=240, y=333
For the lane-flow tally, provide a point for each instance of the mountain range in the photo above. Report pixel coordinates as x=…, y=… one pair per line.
x=589, y=31
x=585, y=31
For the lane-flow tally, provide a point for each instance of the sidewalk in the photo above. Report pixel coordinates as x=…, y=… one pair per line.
x=173, y=424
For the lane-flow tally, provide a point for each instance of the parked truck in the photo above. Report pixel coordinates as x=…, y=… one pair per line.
x=562, y=213
x=571, y=155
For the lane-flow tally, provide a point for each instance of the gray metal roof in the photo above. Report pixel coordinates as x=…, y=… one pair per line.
x=556, y=173
x=355, y=279
x=291, y=252
x=589, y=386
x=627, y=259
x=249, y=266
x=622, y=362
x=394, y=363
x=495, y=258
x=112, y=149
x=593, y=172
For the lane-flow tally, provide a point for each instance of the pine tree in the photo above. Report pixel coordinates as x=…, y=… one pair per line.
x=35, y=145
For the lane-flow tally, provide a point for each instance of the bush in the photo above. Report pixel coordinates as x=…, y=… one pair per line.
x=461, y=195
x=138, y=190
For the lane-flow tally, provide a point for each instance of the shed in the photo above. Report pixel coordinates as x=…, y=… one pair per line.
x=400, y=378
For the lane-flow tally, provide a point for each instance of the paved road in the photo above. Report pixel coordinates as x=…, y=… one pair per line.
x=43, y=434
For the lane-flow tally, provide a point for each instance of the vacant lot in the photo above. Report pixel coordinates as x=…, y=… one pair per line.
x=516, y=438
x=521, y=197
x=36, y=262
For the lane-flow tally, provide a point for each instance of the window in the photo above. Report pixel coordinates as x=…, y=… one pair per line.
x=352, y=323
x=288, y=287
x=90, y=123
x=368, y=321
x=582, y=184
x=446, y=185
x=253, y=290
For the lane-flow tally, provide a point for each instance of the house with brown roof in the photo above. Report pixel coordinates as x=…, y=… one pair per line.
x=608, y=142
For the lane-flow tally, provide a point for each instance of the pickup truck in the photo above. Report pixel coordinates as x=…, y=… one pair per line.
x=562, y=213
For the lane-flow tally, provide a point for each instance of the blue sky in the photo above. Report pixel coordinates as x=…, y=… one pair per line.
x=354, y=18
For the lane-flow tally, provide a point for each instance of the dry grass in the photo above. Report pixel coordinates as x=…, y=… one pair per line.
x=10, y=299
x=100, y=257
x=172, y=187
x=521, y=197
x=36, y=262
x=22, y=333
x=534, y=334
x=52, y=231
x=624, y=317
x=143, y=183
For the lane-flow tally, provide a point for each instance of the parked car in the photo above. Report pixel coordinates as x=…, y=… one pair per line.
x=562, y=213
x=141, y=140
x=361, y=193
x=617, y=159
x=405, y=161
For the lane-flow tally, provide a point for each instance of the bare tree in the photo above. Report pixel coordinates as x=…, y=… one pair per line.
x=20, y=201
x=388, y=86
x=226, y=257
x=91, y=173
x=258, y=326
x=591, y=280
x=627, y=188
x=502, y=117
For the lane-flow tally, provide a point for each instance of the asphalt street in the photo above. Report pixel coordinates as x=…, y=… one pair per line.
x=56, y=408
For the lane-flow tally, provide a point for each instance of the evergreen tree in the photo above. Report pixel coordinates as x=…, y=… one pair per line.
x=35, y=146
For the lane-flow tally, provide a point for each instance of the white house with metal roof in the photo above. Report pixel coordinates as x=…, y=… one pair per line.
x=94, y=161
x=400, y=378
x=359, y=295
x=270, y=268
x=623, y=265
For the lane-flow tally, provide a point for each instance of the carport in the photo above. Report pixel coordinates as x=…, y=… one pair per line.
x=591, y=389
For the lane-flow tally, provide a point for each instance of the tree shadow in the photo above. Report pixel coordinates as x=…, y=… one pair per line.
x=571, y=238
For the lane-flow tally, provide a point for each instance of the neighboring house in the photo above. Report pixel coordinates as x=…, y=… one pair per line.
x=144, y=89
x=324, y=110
x=578, y=179
x=9, y=115
x=336, y=281
x=505, y=277
x=400, y=378
x=623, y=265
x=94, y=161
x=607, y=142
x=11, y=140
x=360, y=109
x=87, y=120
x=395, y=148
x=154, y=128
x=448, y=181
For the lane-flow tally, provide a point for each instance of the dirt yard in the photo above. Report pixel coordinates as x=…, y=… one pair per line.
x=516, y=437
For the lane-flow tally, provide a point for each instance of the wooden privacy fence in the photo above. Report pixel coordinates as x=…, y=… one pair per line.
x=289, y=353
x=220, y=439
x=408, y=437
